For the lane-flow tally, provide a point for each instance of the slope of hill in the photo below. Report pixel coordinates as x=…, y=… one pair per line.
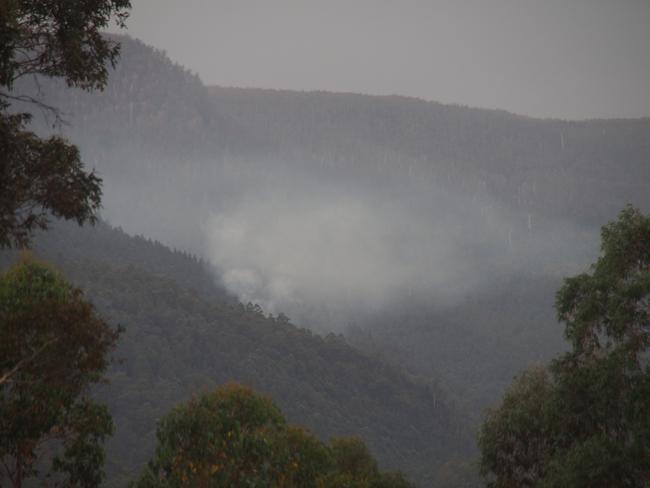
x=436, y=235
x=184, y=334
x=586, y=171
x=191, y=148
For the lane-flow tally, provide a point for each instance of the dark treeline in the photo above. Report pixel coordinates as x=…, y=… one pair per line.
x=183, y=335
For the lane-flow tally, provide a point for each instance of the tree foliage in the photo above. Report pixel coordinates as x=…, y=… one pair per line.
x=53, y=348
x=585, y=422
x=235, y=437
x=38, y=176
x=58, y=39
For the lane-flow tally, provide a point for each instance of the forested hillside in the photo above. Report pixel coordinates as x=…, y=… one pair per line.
x=432, y=235
x=156, y=127
x=184, y=335
x=548, y=167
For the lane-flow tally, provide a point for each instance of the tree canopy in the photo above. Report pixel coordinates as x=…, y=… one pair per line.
x=53, y=348
x=38, y=176
x=58, y=39
x=235, y=437
x=584, y=422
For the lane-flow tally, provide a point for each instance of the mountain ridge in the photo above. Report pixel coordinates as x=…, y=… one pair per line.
x=397, y=96
x=433, y=234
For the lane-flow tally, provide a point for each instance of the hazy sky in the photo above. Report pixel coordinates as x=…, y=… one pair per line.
x=550, y=58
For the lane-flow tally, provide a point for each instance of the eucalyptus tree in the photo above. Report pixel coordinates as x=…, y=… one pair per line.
x=54, y=347
x=40, y=177
x=584, y=421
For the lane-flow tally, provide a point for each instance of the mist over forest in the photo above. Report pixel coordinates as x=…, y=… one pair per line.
x=339, y=209
x=424, y=242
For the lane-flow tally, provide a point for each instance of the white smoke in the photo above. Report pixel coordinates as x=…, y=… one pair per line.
x=323, y=249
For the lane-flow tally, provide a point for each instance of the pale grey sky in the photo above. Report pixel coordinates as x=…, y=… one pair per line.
x=548, y=58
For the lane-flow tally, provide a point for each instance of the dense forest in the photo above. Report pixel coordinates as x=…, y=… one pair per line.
x=184, y=335
x=380, y=266
x=496, y=208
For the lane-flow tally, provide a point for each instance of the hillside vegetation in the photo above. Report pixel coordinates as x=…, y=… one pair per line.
x=184, y=335
x=432, y=236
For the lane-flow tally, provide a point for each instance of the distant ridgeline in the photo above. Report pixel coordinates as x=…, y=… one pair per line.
x=517, y=201
x=185, y=335
x=157, y=128
x=583, y=171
